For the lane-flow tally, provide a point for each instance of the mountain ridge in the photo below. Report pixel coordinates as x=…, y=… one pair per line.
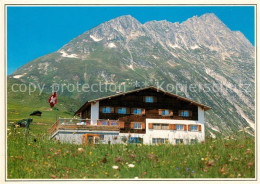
x=197, y=51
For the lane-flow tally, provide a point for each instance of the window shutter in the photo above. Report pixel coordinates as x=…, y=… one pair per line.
x=190, y=113
x=150, y=126
x=121, y=124
x=127, y=110
x=185, y=127
x=174, y=127
x=100, y=109
x=154, y=99
x=143, y=111
x=199, y=128
x=112, y=109
x=171, y=113
x=116, y=109
x=179, y=113
x=143, y=125
x=143, y=98
x=132, y=110
x=188, y=127
x=132, y=125
x=160, y=111
x=170, y=126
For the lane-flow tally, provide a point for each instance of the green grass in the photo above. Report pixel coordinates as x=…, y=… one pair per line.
x=215, y=158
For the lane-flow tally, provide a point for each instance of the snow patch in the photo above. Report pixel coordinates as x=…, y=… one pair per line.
x=111, y=45
x=212, y=135
x=243, y=115
x=64, y=54
x=194, y=47
x=95, y=38
x=173, y=46
x=19, y=76
x=155, y=57
x=131, y=66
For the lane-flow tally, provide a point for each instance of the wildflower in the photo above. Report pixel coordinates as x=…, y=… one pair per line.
x=193, y=171
x=106, y=173
x=104, y=160
x=46, y=163
x=202, y=158
x=90, y=153
x=187, y=169
x=115, y=167
x=136, y=178
x=92, y=164
x=80, y=150
x=29, y=144
x=177, y=168
x=131, y=165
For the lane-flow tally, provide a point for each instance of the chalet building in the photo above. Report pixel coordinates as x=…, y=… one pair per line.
x=146, y=115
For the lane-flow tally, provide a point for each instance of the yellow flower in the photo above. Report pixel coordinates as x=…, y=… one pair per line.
x=206, y=159
x=29, y=144
x=49, y=156
x=46, y=163
x=74, y=132
x=93, y=165
x=90, y=153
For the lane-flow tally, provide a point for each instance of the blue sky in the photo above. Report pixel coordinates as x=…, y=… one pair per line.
x=35, y=31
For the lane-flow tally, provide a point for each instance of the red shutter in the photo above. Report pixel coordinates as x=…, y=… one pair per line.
x=190, y=113
x=143, y=111
x=174, y=127
x=132, y=125
x=160, y=111
x=150, y=126
x=188, y=127
x=116, y=109
x=143, y=125
x=127, y=110
x=100, y=109
x=154, y=99
x=199, y=128
x=121, y=124
x=112, y=109
x=185, y=127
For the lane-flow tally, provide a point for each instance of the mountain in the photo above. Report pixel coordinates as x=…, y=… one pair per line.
x=201, y=51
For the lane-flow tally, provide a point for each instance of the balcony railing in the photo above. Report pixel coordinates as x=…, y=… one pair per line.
x=86, y=124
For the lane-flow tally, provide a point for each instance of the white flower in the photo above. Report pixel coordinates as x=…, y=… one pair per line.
x=115, y=167
x=80, y=149
x=202, y=158
x=136, y=177
x=131, y=165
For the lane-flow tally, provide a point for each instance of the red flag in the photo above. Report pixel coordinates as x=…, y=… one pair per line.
x=53, y=99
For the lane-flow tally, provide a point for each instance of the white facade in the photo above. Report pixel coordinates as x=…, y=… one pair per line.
x=94, y=116
x=170, y=135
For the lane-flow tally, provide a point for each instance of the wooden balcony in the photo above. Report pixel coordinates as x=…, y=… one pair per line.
x=86, y=124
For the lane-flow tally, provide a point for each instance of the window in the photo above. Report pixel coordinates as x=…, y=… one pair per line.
x=105, y=123
x=156, y=126
x=161, y=126
x=193, y=141
x=149, y=99
x=159, y=140
x=137, y=125
x=165, y=126
x=122, y=110
x=179, y=127
x=179, y=141
x=193, y=128
x=135, y=140
x=106, y=109
x=165, y=112
x=185, y=113
x=114, y=123
x=137, y=111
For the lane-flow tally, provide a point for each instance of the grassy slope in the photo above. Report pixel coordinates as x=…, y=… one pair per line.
x=20, y=105
x=48, y=159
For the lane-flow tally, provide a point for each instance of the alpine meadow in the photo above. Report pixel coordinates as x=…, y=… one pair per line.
x=200, y=59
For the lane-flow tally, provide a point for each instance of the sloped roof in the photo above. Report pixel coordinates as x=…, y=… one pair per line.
x=205, y=107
